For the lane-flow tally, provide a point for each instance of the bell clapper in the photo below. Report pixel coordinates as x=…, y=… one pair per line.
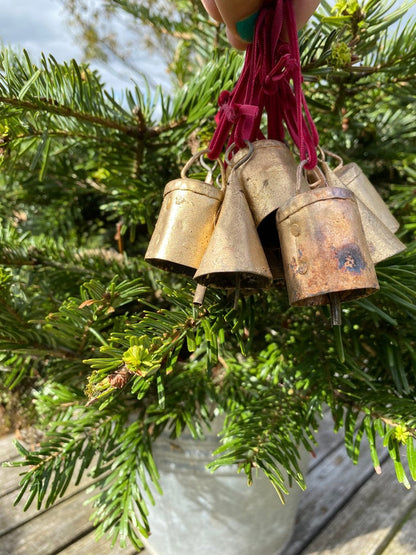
x=335, y=305
x=199, y=295
x=339, y=346
x=237, y=291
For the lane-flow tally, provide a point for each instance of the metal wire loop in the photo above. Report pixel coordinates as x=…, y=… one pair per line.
x=243, y=160
x=210, y=169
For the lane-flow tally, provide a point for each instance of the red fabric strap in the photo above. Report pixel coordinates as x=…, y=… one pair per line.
x=271, y=82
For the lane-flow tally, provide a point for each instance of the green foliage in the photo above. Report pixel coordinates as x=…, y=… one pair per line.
x=111, y=352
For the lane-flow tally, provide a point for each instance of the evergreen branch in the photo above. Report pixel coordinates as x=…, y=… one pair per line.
x=126, y=486
x=34, y=88
x=66, y=134
x=50, y=106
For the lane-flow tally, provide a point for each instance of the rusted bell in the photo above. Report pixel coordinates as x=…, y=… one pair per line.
x=185, y=223
x=382, y=243
x=325, y=254
x=269, y=180
x=234, y=258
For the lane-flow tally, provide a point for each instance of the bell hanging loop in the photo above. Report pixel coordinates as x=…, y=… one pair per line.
x=235, y=164
x=299, y=176
x=210, y=169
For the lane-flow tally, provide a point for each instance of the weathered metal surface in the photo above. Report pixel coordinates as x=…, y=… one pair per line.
x=324, y=249
x=269, y=180
x=184, y=226
x=234, y=257
x=382, y=242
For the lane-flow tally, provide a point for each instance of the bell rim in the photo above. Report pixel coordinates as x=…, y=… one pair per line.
x=322, y=298
x=170, y=266
x=194, y=186
x=245, y=280
x=296, y=203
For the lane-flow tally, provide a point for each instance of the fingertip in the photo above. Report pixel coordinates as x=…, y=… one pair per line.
x=236, y=41
x=212, y=9
x=303, y=10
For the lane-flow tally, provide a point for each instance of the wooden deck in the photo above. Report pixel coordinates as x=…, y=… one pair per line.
x=346, y=509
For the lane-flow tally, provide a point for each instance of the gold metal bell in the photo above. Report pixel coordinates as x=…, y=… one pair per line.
x=269, y=180
x=324, y=250
x=354, y=179
x=382, y=243
x=185, y=223
x=234, y=258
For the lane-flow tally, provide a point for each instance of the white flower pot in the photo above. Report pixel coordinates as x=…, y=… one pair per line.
x=204, y=513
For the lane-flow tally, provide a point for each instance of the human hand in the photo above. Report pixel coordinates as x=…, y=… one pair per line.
x=240, y=17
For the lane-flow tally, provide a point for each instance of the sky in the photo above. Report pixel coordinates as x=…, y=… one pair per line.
x=36, y=25
x=40, y=26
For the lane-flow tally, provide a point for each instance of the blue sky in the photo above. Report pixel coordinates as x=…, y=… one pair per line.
x=37, y=26
x=40, y=26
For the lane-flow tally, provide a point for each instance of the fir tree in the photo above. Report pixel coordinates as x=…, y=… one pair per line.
x=92, y=335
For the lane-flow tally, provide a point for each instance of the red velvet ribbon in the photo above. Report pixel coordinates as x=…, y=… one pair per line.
x=270, y=82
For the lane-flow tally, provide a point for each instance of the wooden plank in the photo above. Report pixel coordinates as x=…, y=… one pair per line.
x=12, y=517
x=367, y=521
x=88, y=545
x=9, y=479
x=404, y=541
x=7, y=449
x=327, y=439
x=329, y=486
x=9, y=476
x=15, y=523
x=50, y=530
x=29, y=438
x=64, y=528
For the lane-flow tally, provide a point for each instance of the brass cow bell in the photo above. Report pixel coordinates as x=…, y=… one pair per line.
x=325, y=253
x=234, y=258
x=269, y=180
x=185, y=223
x=354, y=179
x=382, y=243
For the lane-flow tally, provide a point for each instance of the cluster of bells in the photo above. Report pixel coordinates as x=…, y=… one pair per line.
x=269, y=222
